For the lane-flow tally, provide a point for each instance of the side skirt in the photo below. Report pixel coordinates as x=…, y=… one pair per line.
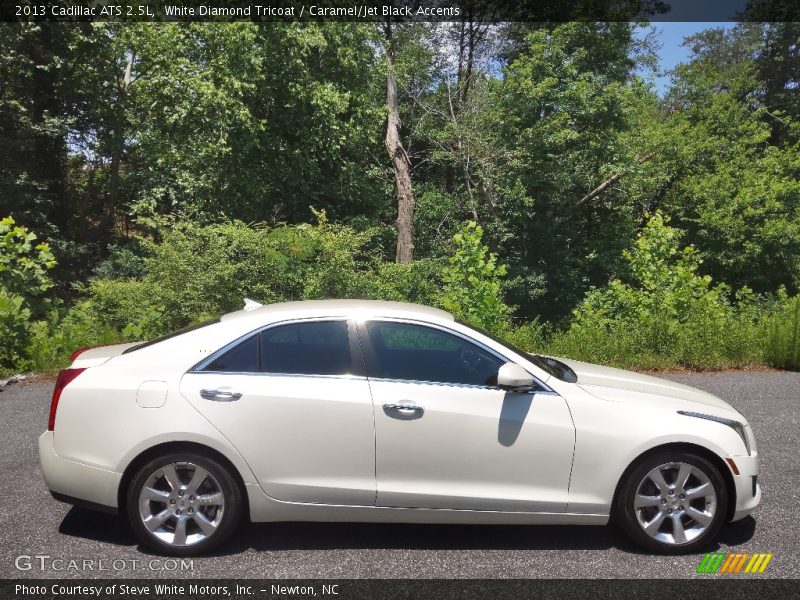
x=266, y=509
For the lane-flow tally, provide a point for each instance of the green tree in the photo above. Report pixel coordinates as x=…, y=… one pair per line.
x=472, y=282
x=736, y=191
x=560, y=115
x=36, y=112
x=256, y=122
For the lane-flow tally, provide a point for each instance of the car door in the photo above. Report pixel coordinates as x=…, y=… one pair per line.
x=293, y=400
x=447, y=437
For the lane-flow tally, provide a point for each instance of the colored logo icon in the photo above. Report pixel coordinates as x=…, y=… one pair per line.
x=722, y=562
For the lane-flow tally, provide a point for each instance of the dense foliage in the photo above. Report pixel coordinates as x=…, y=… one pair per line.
x=666, y=313
x=23, y=282
x=169, y=170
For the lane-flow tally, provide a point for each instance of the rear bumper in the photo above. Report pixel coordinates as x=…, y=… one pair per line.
x=75, y=482
x=748, y=491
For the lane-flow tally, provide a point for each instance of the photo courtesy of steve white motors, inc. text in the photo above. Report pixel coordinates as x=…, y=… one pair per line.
x=169, y=589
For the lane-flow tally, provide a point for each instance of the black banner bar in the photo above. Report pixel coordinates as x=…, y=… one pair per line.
x=399, y=10
x=710, y=588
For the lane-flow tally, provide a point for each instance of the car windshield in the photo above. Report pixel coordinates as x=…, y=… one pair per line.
x=549, y=365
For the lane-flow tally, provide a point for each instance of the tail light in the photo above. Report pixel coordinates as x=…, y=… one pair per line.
x=64, y=378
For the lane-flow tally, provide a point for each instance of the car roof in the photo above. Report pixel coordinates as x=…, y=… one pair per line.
x=348, y=308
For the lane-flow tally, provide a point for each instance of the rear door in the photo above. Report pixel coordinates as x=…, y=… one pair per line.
x=294, y=401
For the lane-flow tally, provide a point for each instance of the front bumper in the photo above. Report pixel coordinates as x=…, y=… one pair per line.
x=73, y=481
x=748, y=491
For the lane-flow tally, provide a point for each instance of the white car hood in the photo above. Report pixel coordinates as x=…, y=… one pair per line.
x=612, y=384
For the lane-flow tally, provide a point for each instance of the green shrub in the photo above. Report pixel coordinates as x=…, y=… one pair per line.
x=782, y=349
x=54, y=339
x=23, y=284
x=23, y=265
x=607, y=342
x=418, y=281
x=14, y=325
x=472, y=283
x=532, y=336
x=195, y=273
x=124, y=261
x=666, y=315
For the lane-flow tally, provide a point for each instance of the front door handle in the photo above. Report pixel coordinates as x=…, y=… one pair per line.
x=405, y=408
x=220, y=395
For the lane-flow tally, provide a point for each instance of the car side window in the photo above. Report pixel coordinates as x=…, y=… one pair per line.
x=419, y=353
x=314, y=348
x=242, y=358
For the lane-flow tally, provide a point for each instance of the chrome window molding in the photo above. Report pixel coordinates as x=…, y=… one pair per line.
x=347, y=376
x=462, y=385
x=200, y=366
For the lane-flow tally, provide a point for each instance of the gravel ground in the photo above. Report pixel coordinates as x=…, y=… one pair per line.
x=35, y=524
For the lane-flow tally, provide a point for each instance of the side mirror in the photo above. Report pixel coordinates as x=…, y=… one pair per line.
x=514, y=378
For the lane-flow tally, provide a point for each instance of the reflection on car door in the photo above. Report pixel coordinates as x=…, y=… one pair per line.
x=304, y=417
x=447, y=437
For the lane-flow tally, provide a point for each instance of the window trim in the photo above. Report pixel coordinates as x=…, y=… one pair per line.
x=371, y=360
x=357, y=366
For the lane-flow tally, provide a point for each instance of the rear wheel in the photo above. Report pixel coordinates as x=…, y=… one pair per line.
x=183, y=504
x=672, y=503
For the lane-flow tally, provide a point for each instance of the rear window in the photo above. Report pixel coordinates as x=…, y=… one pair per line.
x=168, y=336
x=314, y=348
x=318, y=348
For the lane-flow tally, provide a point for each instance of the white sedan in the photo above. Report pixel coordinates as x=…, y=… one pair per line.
x=351, y=410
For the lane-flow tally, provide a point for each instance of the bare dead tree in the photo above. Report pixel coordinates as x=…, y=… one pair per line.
x=401, y=163
x=472, y=31
x=118, y=149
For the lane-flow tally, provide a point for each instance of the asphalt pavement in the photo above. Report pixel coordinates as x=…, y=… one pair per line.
x=79, y=543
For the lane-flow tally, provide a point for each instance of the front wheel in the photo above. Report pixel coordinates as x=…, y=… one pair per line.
x=183, y=504
x=672, y=503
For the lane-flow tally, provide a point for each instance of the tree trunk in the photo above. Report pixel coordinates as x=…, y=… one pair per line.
x=400, y=163
x=107, y=221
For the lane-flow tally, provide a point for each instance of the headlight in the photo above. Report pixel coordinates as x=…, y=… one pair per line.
x=735, y=425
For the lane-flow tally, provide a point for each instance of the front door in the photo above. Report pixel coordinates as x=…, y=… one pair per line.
x=448, y=437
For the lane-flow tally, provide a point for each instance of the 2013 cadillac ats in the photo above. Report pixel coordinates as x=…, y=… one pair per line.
x=381, y=411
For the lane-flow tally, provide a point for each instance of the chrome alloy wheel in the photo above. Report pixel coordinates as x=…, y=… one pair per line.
x=181, y=504
x=675, y=503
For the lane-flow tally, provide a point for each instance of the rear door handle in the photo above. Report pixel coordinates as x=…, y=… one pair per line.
x=220, y=395
x=405, y=408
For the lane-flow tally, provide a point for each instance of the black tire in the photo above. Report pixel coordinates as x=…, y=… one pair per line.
x=624, y=515
x=226, y=519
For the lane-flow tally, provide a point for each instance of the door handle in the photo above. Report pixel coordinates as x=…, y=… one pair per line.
x=220, y=395
x=405, y=408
